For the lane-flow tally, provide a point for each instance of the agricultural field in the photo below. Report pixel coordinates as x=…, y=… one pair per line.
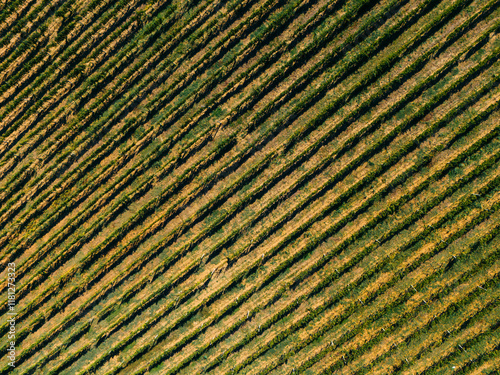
x=250, y=187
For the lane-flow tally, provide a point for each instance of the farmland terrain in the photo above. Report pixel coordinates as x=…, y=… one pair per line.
x=251, y=187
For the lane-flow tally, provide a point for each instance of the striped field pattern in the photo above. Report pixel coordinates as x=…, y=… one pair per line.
x=251, y=186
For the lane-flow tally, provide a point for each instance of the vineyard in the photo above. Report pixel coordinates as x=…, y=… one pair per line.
x=250, y=187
